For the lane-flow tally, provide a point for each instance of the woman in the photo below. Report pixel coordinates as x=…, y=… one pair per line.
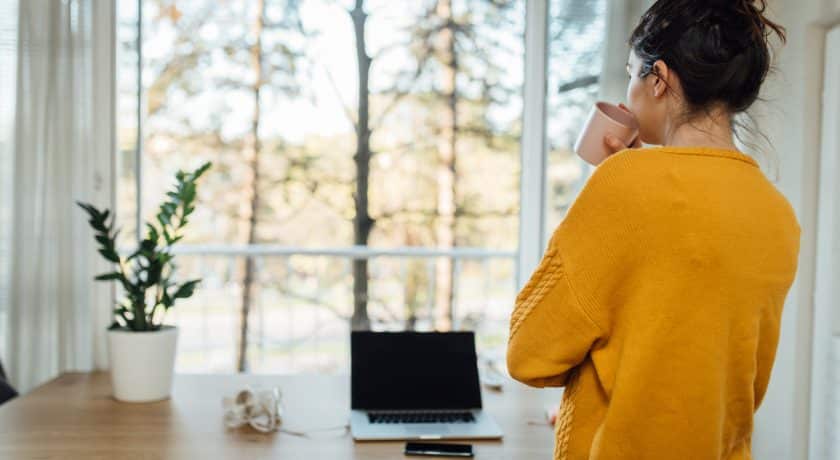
x=658, y=300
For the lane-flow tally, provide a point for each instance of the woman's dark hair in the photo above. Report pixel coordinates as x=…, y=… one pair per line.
x=719, y=49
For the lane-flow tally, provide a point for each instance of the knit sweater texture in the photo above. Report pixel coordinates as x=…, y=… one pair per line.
x=657, y=306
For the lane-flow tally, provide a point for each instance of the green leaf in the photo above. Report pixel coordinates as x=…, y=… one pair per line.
x=151, y=232
x=201, y=170
x=148, y=245
x=166, y=300
x=186, y=290
x=110, y=255
x=109, y=276
x=89, y=209
x=104, y=240
x=154, y=273
x=152, y=265
x=189, y=192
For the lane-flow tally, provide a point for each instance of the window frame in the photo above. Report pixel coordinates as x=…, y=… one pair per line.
x=533, y=151
x=533, y=143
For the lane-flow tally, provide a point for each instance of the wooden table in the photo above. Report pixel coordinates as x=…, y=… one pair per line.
x=75, y=417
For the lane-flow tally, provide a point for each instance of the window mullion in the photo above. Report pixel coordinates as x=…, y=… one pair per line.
x=138, y=152
x=533, y=155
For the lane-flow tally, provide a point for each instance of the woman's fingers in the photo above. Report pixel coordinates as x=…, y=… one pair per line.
x=614, y=143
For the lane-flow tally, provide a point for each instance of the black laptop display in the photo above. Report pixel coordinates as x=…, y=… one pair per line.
x=414, y=370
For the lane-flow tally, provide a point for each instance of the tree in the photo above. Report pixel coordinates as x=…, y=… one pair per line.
x=447, y=166
x=262, y=75
x=362, y=222
x=218, y=86
x=253, y=68
x=252, y=152
x=447, y=40
x=365, y=124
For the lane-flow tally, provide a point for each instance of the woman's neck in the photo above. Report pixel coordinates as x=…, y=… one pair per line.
x=714, y=131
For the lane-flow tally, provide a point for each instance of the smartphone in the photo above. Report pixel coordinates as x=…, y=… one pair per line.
x=438, y=450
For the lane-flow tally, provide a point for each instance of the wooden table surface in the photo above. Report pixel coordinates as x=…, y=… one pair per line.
x=75, y=417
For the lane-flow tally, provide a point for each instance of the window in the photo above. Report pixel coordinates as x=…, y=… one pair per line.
x=576, y=42
x=270, y=91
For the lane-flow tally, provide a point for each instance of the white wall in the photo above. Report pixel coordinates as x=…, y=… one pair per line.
x=791, y=119
x=825, y=430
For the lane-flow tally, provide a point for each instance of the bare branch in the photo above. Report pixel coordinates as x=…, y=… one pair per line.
x=493, y=213
x=314, y=301
x=401, y=93
x=348, y=111
x=577, y=83
x=388, y=48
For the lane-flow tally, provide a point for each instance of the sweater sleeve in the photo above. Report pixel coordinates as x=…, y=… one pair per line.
x=560, y=314
x=550, y=334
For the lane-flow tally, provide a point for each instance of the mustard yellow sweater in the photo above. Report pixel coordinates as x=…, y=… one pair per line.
x=657, y=305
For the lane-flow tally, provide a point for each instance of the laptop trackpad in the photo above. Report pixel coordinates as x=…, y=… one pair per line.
x=423, y=429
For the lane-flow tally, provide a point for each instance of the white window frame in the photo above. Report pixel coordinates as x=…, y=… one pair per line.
x=533, y=145
x=532, y=204
x=824, y=404
x=533, y=153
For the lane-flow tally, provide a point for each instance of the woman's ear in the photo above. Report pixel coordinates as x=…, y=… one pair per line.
x=661, y=74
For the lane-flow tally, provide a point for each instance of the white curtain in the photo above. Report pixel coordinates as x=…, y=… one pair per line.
x=63, y=144
x=8, y=60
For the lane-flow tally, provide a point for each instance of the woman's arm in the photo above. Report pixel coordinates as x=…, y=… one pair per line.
x=566, y=306
x=550, y=334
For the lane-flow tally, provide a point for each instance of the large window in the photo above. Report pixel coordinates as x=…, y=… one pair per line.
x=576, y=42
x=302, y=120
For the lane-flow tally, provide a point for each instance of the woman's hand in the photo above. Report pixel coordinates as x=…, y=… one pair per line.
x=616, y=145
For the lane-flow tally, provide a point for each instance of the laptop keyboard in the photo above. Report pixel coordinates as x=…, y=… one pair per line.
x=421, y=417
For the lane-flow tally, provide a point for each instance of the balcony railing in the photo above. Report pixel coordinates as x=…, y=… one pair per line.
x=303, y=299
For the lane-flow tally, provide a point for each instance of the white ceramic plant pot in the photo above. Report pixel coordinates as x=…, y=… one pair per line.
x=142, y=363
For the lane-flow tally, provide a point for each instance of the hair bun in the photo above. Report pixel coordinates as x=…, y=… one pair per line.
x=755, y=11
x=726, y=4
x=719, y=49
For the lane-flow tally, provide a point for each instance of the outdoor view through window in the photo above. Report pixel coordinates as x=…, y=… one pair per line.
x=306, y=108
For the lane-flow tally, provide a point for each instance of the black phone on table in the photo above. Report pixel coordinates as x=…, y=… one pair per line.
x=428, y=449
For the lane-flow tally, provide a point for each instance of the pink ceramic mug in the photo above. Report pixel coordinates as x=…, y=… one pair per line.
x=605, y=119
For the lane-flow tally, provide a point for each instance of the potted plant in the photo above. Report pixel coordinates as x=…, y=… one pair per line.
x=141, y=348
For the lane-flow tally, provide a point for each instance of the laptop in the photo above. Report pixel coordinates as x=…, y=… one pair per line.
x=416, y=385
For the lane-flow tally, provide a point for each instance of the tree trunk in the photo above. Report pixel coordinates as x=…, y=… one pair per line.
x=252, y=153
x=446, y=168
x=362, y=222
x=414, y=279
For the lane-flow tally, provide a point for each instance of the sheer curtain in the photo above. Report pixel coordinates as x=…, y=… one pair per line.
x=8, y=60
x=63, y=144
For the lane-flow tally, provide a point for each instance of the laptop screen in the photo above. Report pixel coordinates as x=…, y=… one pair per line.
x=414, y=370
